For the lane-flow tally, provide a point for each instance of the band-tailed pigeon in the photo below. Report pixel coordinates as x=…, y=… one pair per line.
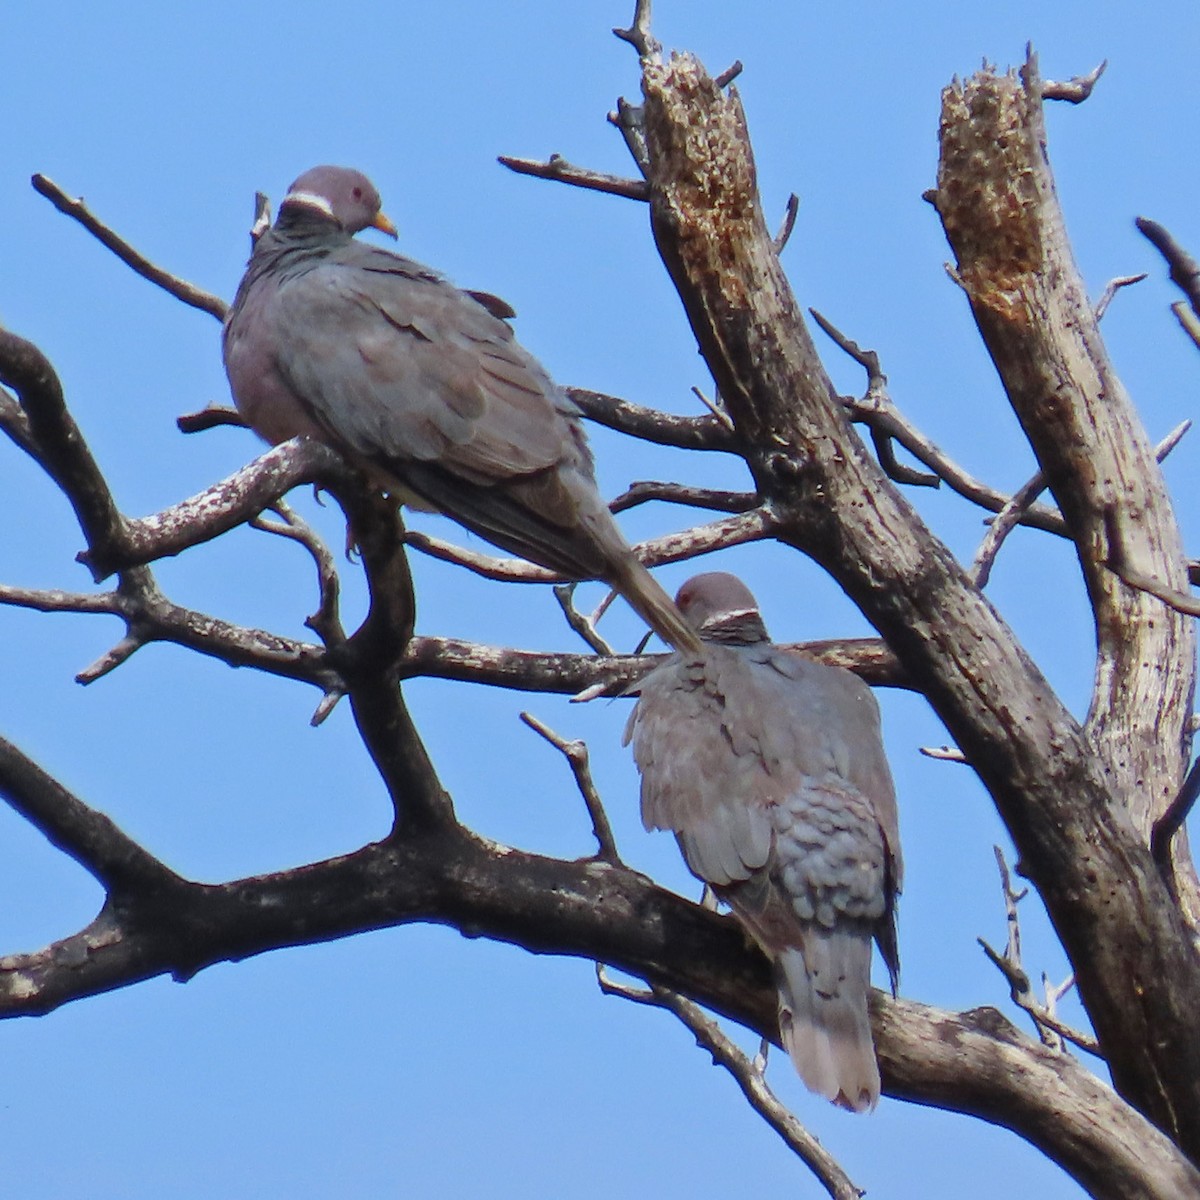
x=769, y=768
x=424, y=387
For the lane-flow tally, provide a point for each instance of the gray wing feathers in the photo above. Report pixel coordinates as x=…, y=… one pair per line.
x=407, y=365
x=691, y=784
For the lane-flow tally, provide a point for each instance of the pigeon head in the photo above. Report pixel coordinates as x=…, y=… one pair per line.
x=339, y=194
x=721, y=607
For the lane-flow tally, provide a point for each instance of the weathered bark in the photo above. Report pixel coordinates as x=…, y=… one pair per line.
x=1065, y=808
x=997, y=201
x=157, y=923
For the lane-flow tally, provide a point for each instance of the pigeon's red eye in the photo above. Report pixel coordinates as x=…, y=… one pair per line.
x=357, y=193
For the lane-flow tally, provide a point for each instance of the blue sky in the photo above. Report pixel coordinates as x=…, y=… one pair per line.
x=415, y=1062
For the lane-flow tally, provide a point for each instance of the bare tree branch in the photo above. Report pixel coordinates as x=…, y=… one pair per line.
x=223, y=506
x=1184, y=270
x=665, y=429
x=443, y=873
x=576, y=754
x=1074, y=91
x=678, y=493
x=1049, y=1028
x=638, y=34
x=87, y=836
x=1114, y=286
x=789, y=223
x=179, y=288
x=557, y=168
x=748, y=1075
x=751, y=526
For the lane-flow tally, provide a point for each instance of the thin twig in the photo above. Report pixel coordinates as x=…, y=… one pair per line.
x=1050, y=1029
x=789, y=223
x=1076, y=90
x=1010, y=515
x=751, y=526
x=748, y=1074
x=560, y=170
x=681, y=493
x=943, y=753
x=715, y=407
x=1187, y=318
x=585, y=626
x=1114, y=286
x=730, y=73
x=119, y=654
x=328, y=703
x=189, y=293
x=876, y=401
x=1117, y=561
x=576, y=754
x=1005, y=521
x=213, y=417
x=638, y=34
x=326, y=622
x=1169, y=824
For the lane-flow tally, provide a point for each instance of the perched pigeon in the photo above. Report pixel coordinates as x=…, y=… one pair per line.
x=769, y=769
x=422, y=386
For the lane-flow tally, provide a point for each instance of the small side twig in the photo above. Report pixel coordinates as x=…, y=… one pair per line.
x=1010, y=516
x=789, y=223
x=1114, y=286
x=213, y=417
x=1184, y=271
x=730, y=73
x=75, y=208
x=583, y=625
x=1050, y=1029
x=1117, y=561
x=326, y=622
x=748, y=1074
x=1169, y=824
x=1188, y=319
x=638, y=34
x=943, y=753
x=560, y=170
x=876, y=400
x=715, y=407
x=1076, y=90
x=1004, y=522
x=681, y=493
x=576, y=754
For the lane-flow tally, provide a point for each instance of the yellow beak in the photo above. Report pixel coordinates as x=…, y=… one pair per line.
x=384, y=224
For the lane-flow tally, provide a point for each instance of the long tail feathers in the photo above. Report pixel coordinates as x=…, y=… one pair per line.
x=653, y=605
x=823, y=1015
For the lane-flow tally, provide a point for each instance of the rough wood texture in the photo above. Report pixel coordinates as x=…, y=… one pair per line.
x=998, y=205
x=156, y=923
x=1067, y=809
